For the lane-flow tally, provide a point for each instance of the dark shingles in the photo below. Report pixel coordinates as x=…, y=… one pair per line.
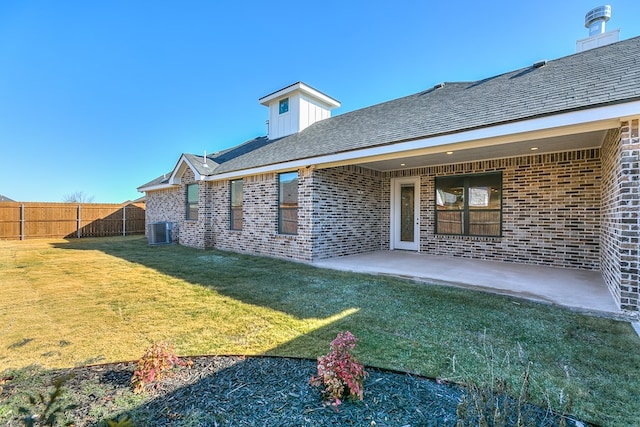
x=157, y=181
x=598, y=77
x=606, y=75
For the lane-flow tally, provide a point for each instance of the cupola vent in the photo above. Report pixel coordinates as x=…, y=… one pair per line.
x=595, y=20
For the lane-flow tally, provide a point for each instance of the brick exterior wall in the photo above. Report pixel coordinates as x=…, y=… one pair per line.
x=171, y=205
x=348, y=212
x=550, y=209
x=164, y=205
x=630, y=207
x=621, y=214
x=259, y=234
x=610, y=220
x=575, y=209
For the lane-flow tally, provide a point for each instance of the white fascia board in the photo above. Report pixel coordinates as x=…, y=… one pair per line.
x=332, y=103
x=155, y=187
x=600, y=118
x=301, y=87
x=173, y=179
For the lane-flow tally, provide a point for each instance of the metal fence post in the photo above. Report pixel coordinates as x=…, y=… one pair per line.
x=124, y=221
x=22, y=236
x=79, y=221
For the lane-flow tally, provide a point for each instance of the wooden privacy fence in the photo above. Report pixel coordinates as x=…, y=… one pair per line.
x=53, y=220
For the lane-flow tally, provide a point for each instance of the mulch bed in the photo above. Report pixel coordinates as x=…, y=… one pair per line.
x=261, y=391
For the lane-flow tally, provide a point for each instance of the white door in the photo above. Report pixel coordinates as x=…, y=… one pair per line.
x=405, y=213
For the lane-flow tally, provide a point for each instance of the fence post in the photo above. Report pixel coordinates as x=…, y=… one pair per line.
x=124, y=221
x=22, y=236
x=79, y=221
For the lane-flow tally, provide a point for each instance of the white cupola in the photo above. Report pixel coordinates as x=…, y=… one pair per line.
x=295, y=108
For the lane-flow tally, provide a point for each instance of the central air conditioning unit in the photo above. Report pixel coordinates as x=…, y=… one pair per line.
x=159, y=233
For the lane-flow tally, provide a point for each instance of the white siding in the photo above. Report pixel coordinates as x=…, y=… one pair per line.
x=311, y=111
x=303, y=112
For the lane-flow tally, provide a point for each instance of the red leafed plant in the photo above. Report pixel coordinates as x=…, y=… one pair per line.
x=157, y=362
x=339, y=372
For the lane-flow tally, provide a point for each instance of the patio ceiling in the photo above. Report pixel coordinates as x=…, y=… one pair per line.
x=460, y=154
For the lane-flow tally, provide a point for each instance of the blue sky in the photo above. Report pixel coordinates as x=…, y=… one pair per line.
x=102, y=97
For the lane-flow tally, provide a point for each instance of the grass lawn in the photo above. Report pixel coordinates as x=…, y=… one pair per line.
x=71, y=303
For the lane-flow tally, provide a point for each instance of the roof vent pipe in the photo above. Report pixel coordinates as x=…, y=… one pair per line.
x=595, y=20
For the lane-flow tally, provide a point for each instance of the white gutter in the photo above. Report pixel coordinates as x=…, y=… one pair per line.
x=600, y=118
x=155, y=187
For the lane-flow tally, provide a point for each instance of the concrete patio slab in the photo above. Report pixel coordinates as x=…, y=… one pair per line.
x=575, y=289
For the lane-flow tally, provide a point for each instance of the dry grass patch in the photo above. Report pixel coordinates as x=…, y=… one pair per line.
x=68, y=303
x=65, y=307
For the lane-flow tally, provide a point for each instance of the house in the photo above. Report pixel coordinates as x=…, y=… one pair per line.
x=5, y=199
x=539, y=165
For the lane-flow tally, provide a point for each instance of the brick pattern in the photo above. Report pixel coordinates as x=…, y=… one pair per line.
x=610, y=219
x=259, y=234
x=192, y=232
x=575, y=209
x=630, y=210
x=170, y=205
x=348, y=212
x=621, y=215
x=164, y=205
x=551, y=210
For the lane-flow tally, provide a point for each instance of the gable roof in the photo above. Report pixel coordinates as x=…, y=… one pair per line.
x=5, y=199
x=603, y=76
x=201, y=167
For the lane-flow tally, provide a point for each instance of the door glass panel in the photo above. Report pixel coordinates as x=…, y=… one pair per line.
x=407, y=214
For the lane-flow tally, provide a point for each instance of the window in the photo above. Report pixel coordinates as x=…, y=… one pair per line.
x=283, y=106
x=192, y=201
x=288, y=203
x=235, y=214
x=469, y=205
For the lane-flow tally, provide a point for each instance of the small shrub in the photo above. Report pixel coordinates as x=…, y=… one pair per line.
x=157, y=362
x=45, y=410
x=339, y=372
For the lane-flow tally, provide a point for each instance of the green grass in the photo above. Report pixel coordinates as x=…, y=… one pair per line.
x=77, y=302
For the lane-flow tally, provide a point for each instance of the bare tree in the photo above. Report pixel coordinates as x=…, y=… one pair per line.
x=77, y=197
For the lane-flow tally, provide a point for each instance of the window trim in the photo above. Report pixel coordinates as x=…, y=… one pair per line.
x=465, y=211
x=189, y=203
x=280, y=208
x=231, y=205
x=284, y=102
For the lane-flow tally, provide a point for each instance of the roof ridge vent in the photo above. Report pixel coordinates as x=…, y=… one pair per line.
x=540, y=63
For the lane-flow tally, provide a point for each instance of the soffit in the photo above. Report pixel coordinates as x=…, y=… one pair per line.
x=462, y=154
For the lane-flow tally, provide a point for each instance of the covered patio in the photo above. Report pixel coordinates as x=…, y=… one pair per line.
x=579, y=290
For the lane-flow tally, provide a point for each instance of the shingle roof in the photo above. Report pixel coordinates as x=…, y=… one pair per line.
x=597, y=77
x=157, y=181
x=5, y=199
x=601, y=76
x=213, y=160
x=216, y=159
